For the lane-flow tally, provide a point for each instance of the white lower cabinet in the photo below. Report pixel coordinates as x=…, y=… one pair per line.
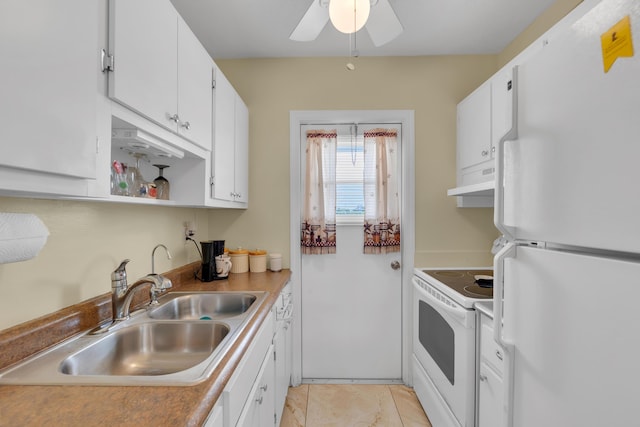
x=490, y=399
x=258, y=411
x=248, y=398
x=216, y=416
x=282, y=349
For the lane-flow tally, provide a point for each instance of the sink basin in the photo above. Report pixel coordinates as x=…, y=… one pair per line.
x=177, y=343
x=148, y=349
x=207, y=306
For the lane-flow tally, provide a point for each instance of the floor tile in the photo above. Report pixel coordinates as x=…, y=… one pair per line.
x=352, y=405
x=295, y=407
x=409, y=407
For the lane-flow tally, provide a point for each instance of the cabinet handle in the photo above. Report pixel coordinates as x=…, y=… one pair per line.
x=264, y=387
x=483, y=377
x=259, y=400
x=498, y=354
x=175, y=118
x=186, y=125
x=485, y=153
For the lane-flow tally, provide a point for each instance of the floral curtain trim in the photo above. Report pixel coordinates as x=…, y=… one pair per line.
x=381, y=192
x=318, y=230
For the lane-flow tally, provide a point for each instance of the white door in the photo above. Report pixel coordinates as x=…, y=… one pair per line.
x=351, y=302
x=574, y=324
x=572, y=176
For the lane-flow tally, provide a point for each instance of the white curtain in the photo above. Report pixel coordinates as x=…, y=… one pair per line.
x=381, y=192
x=318, y=233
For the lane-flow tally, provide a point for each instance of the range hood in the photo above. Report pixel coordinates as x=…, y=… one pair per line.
x=474, y=195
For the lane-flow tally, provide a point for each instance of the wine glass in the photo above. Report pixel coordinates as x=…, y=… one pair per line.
x=137, y=184
x=162, y=184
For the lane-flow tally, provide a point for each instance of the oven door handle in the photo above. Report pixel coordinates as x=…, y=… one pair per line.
x=458, y=312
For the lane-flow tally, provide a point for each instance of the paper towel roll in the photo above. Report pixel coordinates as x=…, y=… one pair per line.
x=22, y=236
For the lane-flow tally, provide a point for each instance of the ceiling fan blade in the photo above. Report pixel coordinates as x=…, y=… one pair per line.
x=312, y=23
x=383, y=24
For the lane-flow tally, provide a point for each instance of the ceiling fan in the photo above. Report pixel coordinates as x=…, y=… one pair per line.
x=382, y=25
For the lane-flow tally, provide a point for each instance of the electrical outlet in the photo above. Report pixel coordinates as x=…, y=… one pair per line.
x=189, y=229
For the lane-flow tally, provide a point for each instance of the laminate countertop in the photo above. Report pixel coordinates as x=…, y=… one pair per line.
x=81, y=405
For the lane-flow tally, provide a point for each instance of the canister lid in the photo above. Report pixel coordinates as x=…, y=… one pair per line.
x=275, y=256
x=238, y=251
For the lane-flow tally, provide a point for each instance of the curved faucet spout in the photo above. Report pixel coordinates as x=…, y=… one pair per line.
x=123, y=304
x=153, y=259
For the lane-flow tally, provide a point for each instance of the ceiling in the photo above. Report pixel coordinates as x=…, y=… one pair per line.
x=261, y=28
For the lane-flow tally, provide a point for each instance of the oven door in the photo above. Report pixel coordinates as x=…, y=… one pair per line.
x=444, y=345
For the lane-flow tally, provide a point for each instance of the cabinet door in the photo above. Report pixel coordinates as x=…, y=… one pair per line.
x=194, y=88
x=241, y=175
x=215, y=418
x=474, y=127
x=490, y=398
x=259, y=408
x=281, y=371
x=49, y=77
x=144, y=41
x=224, y=135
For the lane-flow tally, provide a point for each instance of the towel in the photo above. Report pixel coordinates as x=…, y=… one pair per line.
x=22, y=236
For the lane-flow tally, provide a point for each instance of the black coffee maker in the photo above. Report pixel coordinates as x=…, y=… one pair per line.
x=210, y=250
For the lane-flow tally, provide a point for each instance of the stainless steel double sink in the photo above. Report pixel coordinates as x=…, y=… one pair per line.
x=180, y=341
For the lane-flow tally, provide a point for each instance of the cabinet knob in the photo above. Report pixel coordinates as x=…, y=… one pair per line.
x=174, y=118
x=259, y=400
x=186, y=125
x=264, y=387
x=483, y=377
x=485, y=153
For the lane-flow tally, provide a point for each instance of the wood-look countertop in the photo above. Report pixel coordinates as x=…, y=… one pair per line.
x=81, y=405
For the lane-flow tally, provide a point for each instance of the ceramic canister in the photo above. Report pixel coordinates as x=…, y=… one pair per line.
x=239, y=260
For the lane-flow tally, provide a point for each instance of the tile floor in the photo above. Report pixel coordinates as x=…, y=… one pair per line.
x=351, y=405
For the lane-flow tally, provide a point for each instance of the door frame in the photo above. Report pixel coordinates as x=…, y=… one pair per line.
x=310, y=117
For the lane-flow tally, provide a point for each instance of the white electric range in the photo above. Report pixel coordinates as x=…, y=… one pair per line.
x=444, y=341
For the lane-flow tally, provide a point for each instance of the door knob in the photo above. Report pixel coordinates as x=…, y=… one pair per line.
x=395, y=265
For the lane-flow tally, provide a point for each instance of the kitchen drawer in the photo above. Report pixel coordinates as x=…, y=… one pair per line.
x=490, y=351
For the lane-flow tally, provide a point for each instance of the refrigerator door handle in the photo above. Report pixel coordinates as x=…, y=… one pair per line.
x=508, y=251
x=511, y=134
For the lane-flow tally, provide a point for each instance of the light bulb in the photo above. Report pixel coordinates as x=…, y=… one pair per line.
x=349, y=16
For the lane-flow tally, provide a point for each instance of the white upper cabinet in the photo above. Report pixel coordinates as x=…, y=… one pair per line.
x=230, y=144
x=474, y=130
x=49, y=75
x=241, y=159
x=194, y=88
x=160, y=69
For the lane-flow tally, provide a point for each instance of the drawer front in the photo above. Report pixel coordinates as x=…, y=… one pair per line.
x=490, y=351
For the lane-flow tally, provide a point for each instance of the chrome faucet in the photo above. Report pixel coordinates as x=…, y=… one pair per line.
x=122, y=293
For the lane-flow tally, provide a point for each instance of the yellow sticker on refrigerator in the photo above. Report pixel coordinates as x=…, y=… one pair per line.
x=617, y=43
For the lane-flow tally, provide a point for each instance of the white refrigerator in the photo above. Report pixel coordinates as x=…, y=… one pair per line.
x=567, y=284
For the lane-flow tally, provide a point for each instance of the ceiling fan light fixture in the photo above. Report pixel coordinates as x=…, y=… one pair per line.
x=349, y=16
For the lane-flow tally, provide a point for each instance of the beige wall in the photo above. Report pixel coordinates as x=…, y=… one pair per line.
x=432, y=86
x=89, y=239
